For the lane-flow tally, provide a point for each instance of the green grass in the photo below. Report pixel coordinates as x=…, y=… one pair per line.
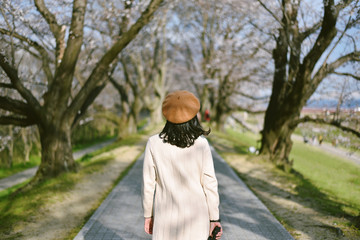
x=332, y=183
x=18, y=167
x=12, y=189
x=232, y=140
x=82, y=145
x=333, y=176
x=19, y=208
x=22, y=206
x=131, y=140
x=36, y=159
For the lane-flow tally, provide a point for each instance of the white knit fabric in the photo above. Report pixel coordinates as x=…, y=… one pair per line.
x=180, y=189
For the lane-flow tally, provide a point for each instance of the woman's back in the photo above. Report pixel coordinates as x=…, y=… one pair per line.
x=180, y=197
x=180, y=204
x=178, y=169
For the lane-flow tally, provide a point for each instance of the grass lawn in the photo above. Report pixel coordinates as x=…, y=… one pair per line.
x=36, y=159
x=82, y=145
x=332, y=183
x=18, y=167
x=328, y=174
x=21, y=207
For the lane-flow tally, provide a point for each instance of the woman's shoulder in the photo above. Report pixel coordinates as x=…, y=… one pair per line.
x=154, y=138
x=201, y=140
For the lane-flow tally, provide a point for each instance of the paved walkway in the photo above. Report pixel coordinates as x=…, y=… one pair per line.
x=243, y=215
x=29, y=173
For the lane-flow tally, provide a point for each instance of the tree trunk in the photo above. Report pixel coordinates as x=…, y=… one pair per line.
x=219, y=118
x=204, y=99
x=282, y=111
x=11, y=147
x=27, y=143
x=135, y=110
x=276, y=139
x=156, y=115
x=127, y=127
x=276, y=134
x=56, y=152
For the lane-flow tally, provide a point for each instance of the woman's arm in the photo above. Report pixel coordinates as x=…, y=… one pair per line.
x=149, y=182
x=210, y=184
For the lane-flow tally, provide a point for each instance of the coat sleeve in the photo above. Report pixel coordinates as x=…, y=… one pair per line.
x=210, y=184
x=149, y=182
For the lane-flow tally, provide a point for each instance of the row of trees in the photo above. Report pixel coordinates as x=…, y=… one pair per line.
x=236, y=55
x=55, y=41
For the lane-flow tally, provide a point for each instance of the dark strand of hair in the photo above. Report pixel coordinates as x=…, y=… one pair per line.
x=183, y=135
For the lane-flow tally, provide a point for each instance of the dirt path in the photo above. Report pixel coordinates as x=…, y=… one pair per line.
x=57, y=219
x=303, y=222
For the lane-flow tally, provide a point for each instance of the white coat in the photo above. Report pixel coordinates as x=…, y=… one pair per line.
x=180, y=189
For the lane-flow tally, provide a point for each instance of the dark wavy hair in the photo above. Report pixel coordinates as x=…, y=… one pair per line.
x=184, y=134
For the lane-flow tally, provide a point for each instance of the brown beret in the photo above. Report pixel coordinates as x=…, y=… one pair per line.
x=180, y=106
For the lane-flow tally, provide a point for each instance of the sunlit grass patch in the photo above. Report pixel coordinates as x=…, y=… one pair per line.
x=89, y=143
x=18, y=209
x=131, y=140
x=338, y=178
x=35, y=159
x=331, y=183
x=232, y=141
x=12, y=189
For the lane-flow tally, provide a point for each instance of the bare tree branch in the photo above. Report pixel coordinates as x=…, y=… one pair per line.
x=6, y=85
x=42, y=51
x=49, y=17
x=21, y=38
x=327, y=34
x=251, y=96
x=120, y=88
x=17, y=121
x=331, y=67
x=14, y=106
x=261, y=29
x=309, y=31
x=75, y=36
x=347, y=74
x=332, y=123
x=339, y=39
x=64, y=74
x=239, y=108
x=24, y=92
x=271, y=13
x=57, y=30
x=89, y=100
x=353, y=39
x=25, y=47
x=136, y=62
x=343, y=4
x=11, y=37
